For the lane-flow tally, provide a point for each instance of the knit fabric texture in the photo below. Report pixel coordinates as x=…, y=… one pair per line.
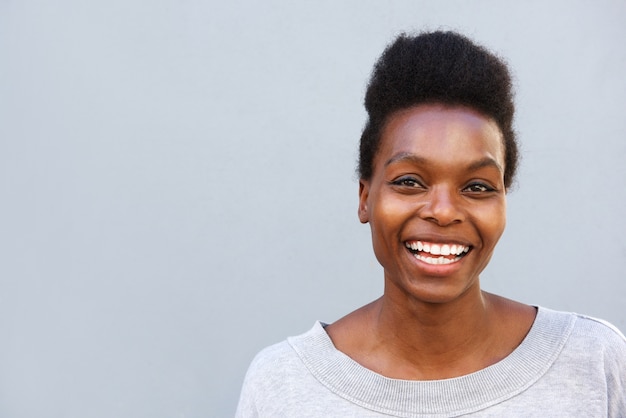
x=568, y=365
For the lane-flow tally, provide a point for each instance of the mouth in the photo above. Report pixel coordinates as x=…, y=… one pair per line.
x=437, y=253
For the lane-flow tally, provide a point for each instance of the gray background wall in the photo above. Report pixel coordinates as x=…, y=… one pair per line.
x=177, y=187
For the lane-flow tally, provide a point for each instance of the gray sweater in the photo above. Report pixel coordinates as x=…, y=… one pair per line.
x=567, y=366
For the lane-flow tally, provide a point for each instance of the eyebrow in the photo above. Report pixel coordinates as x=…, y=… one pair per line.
x=416, y=159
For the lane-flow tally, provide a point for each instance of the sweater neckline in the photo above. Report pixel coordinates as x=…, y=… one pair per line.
x=446, y=397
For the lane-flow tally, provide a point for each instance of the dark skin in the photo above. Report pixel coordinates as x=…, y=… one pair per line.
x=437, y=180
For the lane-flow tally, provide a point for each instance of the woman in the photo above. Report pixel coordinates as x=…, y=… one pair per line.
x=437, y=156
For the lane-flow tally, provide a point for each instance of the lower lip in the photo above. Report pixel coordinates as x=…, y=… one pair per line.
x=438, y=269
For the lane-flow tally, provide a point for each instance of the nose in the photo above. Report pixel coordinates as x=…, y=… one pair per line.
x=442, y=206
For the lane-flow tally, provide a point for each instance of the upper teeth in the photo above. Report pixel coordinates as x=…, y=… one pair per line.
x=438, y=249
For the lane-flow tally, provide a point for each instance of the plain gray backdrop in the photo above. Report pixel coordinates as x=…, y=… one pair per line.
x=177, y=184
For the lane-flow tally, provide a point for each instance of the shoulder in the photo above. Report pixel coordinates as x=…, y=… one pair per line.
x=601, y=340
x=271, y=378
x=269, y=357
x=597, y=344
x=274, y=363
x=582, y=345
x=589, y=363
x=593, y=332
x=592, y=347
x=280, y=363
x=581, y=332
x=579, y=325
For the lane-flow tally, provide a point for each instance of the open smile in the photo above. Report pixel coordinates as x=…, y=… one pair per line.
x=437, y=253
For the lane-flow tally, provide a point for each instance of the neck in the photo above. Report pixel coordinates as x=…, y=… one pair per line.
x=434, y=339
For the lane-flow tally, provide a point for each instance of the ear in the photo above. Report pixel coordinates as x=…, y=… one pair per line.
x=364, y=190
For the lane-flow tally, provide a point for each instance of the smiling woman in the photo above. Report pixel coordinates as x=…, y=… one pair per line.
x=437, y=157
x=437, y=181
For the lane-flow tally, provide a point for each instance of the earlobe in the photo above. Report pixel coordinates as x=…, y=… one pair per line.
x=363, y=195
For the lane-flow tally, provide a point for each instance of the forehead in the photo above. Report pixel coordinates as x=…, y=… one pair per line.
x=454, y=134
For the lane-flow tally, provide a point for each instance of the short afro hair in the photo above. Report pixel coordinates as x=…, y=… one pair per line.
x=438, y=67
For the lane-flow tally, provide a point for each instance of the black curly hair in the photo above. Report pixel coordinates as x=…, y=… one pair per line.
x=438, y=67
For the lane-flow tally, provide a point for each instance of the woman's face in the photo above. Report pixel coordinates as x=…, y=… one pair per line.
x=436, y=201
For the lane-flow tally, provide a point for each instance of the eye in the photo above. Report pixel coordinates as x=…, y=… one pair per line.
x=478, y=188
x=408, y=182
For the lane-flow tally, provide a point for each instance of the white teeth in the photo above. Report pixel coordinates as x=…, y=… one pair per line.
x=436, y=260
x=437, y=249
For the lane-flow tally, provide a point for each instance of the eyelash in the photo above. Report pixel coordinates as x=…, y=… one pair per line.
x=413, y=183
x=403, y=181
x=484, y=188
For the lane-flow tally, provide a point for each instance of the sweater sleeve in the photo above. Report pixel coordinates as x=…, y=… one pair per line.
x=267, y=382
x=247, y=407
x=615, y=369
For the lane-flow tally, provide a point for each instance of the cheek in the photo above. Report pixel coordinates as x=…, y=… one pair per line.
x=494, y=222
x=388, y=214
x=386, y=222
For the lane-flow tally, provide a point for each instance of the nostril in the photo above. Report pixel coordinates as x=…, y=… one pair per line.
x=442, y=209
